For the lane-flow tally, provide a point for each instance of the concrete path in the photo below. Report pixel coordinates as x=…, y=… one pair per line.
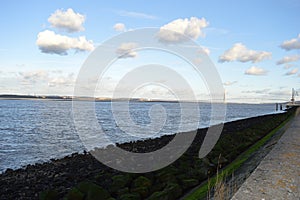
x=278, y=175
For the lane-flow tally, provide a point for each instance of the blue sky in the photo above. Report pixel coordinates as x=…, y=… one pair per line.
x=245, y=30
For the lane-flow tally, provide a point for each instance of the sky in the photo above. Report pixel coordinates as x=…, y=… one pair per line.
x=254, y=45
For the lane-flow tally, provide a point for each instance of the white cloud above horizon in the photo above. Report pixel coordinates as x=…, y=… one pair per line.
x=260, y=91
x=291, y=44
x=288, y=59
x=47, y=78
x=239, y=52
x=125, y=50
x=205, y=50
x=120, y=27
x=31, y=77
x=67, y=20
x=52, y=43
x=292, y=72
x=65, y=81
x=256, y=71
x=178, y=30
x=271, y=94
x=229, y=83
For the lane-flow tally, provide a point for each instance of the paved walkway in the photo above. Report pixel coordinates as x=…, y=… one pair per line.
x=278, y=175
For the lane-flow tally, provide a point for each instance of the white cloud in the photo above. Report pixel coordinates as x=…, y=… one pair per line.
x=67, y=20
x=239, y=52
x=62, y=81
x=228, y=83
x=291, y=44
x=136, y=15
x=257, y=71
x=292, y=72
x=280, y=93
x=52, y=43
x=179, y=29
x=288, y=59
x=119, y=27
x=31, y=77
x=39, y=74
x=268, y=95
x=204, y=50
x=125, y=50
x=43, y=77
x=262, y=91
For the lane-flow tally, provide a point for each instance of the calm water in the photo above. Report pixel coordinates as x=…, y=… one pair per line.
x=37, y=130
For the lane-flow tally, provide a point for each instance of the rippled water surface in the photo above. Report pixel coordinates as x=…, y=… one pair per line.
x=37, y=130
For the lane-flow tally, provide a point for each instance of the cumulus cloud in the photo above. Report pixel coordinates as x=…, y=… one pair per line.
x=291, y=44
x=257, y=71
x=228, y=83
x=239, y=52
x=67, y=20
x=125, y=50
x=288, y=59
x=177, y=30
x=119, y=27
x=292, y=72
x=52, y=43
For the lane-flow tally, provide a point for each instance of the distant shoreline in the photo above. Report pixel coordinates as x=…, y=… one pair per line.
x=70, y=98
x=31, y=97
x=107, y=99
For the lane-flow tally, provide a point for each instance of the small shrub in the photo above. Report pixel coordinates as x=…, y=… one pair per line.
x=75, y=194
x=48, y=195
x=131, y=196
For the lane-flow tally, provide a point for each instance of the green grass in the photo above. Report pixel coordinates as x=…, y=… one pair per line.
x=201, y=192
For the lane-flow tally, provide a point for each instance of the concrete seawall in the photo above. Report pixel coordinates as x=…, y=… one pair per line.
x=278, y=175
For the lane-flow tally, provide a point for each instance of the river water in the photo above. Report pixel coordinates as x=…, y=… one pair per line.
x=34, y=131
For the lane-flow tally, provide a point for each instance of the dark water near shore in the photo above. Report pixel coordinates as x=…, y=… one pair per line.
x=37, y=130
